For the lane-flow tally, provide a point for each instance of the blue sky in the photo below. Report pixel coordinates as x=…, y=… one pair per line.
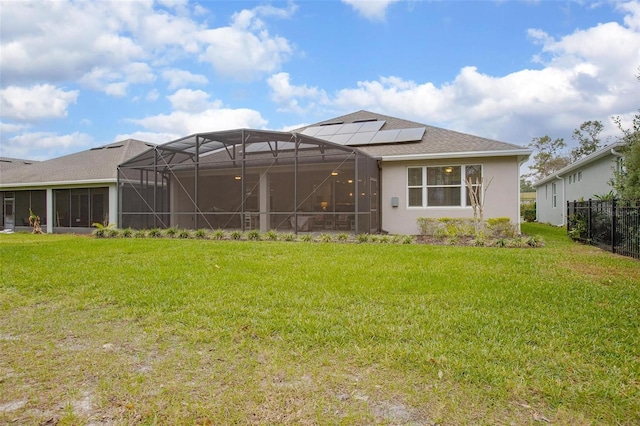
x=77, y=74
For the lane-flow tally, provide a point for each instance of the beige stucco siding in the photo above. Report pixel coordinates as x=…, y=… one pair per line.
x=502, y=197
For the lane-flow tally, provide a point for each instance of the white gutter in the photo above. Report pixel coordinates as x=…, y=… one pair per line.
x=77, y=183
x=616, y=153
x=609, y=149
x=467, y=154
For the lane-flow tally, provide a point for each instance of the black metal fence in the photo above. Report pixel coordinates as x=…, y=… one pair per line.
x=612, y=225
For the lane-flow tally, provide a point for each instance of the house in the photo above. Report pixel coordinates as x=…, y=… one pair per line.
x=362, y=172
x=583, y=179
x=69, y=193
x=359, y=173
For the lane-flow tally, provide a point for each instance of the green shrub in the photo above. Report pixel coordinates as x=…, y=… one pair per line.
x=342, y=237
x=126, y=233
x=307, y=238
x=140, y=233
x=479, y=241
x=218, y=234
x=362, y=238
x=184, y=233
x=500, y=242
x=446, y=227
x=253, y=235
x=326, y=238
x=112, y=233
x=271, y=235
x=408, y=239
x=289, y=236
x=529, y=213
x=200, y=234
x=154, y=233
x=500, y=227
x=236, y=235
x=535, y=241
x=171, y=232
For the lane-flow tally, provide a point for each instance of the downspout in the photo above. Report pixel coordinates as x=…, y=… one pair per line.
x=616, y=153
x=519, y=199
x=564, y=216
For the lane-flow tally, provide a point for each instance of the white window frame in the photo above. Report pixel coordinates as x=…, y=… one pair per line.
x=425, y=186
x=554, y=195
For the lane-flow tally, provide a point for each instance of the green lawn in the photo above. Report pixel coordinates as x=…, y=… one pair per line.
x=171, y=331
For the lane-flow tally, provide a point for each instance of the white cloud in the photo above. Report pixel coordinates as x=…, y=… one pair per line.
x=116, y=82
x=69, y=40
x=211, y=119
x=371, y=10
x=11, y=128
x=244, y=49
x=44, y=145
x=181, y=78
x=36, y=102
x=286, y=95
x=192, y=101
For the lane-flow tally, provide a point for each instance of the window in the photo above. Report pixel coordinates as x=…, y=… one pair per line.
x=554, y=195
x=579, y=176
x=442, y=186
x=416, y=186
x=79, y=208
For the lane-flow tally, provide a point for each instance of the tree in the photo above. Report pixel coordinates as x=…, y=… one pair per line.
x=548, y=158
x=525, y=186
x=588, y=138
x=34, y=220
x=477, y=193
x=626, y=179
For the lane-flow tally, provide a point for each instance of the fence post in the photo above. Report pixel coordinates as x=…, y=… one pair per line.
x=614, y=220
x=589, y=221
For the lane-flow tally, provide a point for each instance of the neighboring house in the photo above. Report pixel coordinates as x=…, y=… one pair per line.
x=68, y=193
x=361, y=172
x=582, y=179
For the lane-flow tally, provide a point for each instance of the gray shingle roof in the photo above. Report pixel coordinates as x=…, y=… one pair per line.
x=7, y=163
x=96, y=164
x=435, y=140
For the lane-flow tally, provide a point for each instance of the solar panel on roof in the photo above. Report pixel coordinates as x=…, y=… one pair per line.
x=385, y=136
x=311, y=131
x=390, y=136
x=372, y=126
x=361, y=138
x=364, y=133
x=413, y=134
x=350, y=128
x=328, y=130
x=341, y=139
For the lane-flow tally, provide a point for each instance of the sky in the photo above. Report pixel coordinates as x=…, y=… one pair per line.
x=80, y=74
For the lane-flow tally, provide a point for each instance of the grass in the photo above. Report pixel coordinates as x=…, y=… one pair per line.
x=178, y=331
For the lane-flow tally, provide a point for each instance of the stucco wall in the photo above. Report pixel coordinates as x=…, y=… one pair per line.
x=545, y=212
x=502, y=198
x=591, y=179
x=595, y=178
